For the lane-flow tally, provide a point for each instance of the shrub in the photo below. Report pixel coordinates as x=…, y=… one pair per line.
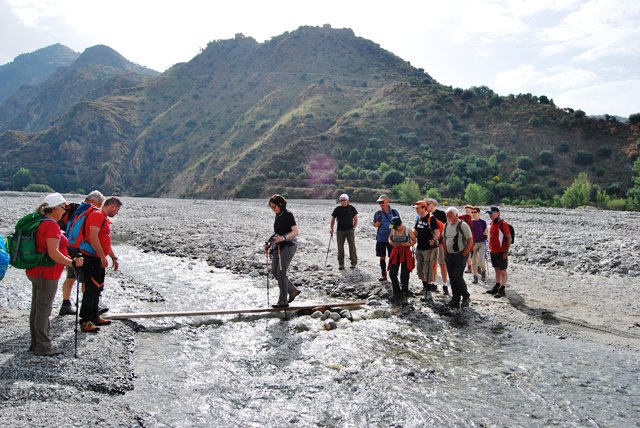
x=432, y=192
x=634, y=119
x=272, y=174
x=354, y=155
x=546, y=157
x=475, y=194
x=524, y=162
x=37, y=187
x=583, y=158
x=282, y=174
x=604, y=152
x=408, y=191
x=393, y=177
x=563, y=147
x=22, y=178
x=578, y=193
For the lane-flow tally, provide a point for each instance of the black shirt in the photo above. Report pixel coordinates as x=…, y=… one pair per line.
x=283, y=223
x=440, y=215
x=425, y=226
x=345, y=216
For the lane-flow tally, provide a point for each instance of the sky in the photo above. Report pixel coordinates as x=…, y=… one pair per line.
x=584, y=54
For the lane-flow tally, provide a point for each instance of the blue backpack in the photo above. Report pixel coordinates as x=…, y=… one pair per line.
x=4, y=258
x=75, y=224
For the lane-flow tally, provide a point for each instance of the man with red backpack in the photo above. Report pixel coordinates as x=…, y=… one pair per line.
x=72, y=223
x=500, y=240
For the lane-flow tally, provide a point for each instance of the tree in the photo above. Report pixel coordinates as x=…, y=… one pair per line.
x=42, y=188
x=408, y=191
x=524, y=162
x=583, y=158
x=433, y=193
x=546, y=157
x=22, y=178
x=634, y=119
x=455, y=186
x=393, y=177
x=633, y=194
x=579, y=193
x=475, y=194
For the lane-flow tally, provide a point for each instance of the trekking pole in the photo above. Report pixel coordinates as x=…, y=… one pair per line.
x=327, y=258
x=75, y=352
x=266, y=268
x=427, y=292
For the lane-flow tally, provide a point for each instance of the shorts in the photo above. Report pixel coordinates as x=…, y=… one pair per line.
x=441, y=254
x=498, y=262
x=71, y=272
x=381, y=247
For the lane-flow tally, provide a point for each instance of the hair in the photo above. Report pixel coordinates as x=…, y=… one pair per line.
x=95, y=196
x=452, y=210
x=468, y=206
x=44, y=208
x=430, y=201
x=113, y=201
x=278, y=200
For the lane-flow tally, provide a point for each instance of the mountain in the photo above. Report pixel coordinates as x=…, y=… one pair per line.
x=310, y=113
x=97, y=72
x=33, y=68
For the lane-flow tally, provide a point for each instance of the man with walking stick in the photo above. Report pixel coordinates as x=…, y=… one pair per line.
x=427, y=235
x=347, y=217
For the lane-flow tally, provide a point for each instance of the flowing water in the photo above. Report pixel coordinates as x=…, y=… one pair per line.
x=413, y=371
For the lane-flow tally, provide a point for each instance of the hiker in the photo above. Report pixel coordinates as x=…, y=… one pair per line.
x=44, y=279
x=427, y=235
x=401, y=258
x=282, y=245
x=468, y=218
x=347, y=217
x=382, y=222
x=442, y=218
x=458, y=241
x=480, y=232
x=95, y=247
x=499, y=242
x=95, y=199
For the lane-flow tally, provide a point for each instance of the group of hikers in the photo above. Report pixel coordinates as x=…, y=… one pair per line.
x=83, y=249
x=437, y=239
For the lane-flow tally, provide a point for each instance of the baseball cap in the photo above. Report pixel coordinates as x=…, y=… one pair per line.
x=493, y=210
x=396, y=221
x=420, y=203
x=54, y=199
x=382, y=197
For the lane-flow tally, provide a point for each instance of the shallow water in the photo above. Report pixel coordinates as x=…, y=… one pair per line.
x=402, y=371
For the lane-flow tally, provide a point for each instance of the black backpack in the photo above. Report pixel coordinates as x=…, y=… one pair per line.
x=512, y=231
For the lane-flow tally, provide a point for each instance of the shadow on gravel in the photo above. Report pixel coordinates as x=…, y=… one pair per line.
x=518, y=302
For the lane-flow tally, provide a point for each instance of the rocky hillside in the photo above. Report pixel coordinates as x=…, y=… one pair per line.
x=309, y=113
x=33, y=68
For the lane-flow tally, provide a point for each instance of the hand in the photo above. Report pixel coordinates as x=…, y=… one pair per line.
x=331, y=231
x=104, y=262
x=116, y=265
x=505, y=255
x=79, y=261
x=280, y=238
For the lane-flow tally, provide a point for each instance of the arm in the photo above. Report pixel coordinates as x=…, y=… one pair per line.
x=355, y=221
x=95, y=243
x=114, y=259
x=55, y=254
x=288, y=236
x=412, y=239
x=377, y=220
x=333, y=222
x=468, y=247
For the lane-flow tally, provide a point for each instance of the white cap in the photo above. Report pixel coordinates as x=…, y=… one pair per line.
x=344, y=196
x=54, y=199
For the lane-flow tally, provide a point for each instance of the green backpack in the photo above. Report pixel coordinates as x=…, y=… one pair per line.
x=21, y=245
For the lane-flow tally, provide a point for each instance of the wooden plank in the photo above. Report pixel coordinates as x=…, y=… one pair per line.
x=130, y=315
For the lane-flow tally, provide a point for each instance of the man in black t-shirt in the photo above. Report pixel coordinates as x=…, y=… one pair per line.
x=347, y=217
x=441, y=216
x=427, y=235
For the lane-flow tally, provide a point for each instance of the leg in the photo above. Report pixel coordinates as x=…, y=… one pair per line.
x=404, y=277
x=393, y=274
x=94, y=280
x=286, y=286
x=353, y=254
x=45, y=292
x=340, y=236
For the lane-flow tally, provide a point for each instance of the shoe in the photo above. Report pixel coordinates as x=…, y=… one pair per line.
x=89, y=327
x=280, y=305
x=454, y=305
x=352, y=266
x=465, y=302
x=500, y=293
x=493, y=290
x=434, y=288
x=382, y=278
x=66, y=310
x=407, y=292
x=103, y=310
x=445, y=290
x=294, y=294
x=101, y=321
x=475, y=279
x=483, y=275
x=340, y=267
x=49, y=353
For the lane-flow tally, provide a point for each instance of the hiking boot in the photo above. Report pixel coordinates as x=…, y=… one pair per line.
x=103, y=310
x=466, y=302
x=49, y=353
x=445, y=290
x=89, y=327
x=66, y=309
x=101, y=321
x=483, y=275
x=341, y=267
x=434, y=288
x=493, y=290
x=475, y=279
x=280, y=305
x=294, y=294
x=407, y=292
x=500, y=292
x=454, y=304
x=353, y=266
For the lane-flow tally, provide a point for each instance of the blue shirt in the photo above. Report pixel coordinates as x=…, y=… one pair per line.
x=384, y=230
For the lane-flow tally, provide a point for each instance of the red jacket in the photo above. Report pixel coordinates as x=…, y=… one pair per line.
x=401, y=255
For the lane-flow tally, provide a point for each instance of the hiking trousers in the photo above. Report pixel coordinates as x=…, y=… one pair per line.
x=404, y=277
x=456, y=263
x=279, y=265
x=350, y=236
x=93, y=275
x=424, y=260
x=43, y=291
x=478, y=259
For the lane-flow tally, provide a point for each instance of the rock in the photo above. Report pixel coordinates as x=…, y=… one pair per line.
x=380, y=313
x=302, y=327
x=316, y=315
x=345, y=313
x=325, y=315
x=522, y=251
x=330, y=325
x=334, y=316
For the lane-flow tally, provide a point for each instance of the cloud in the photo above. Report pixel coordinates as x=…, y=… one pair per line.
x=616, y=98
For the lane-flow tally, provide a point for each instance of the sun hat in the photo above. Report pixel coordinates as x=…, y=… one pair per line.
x=54, y=199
